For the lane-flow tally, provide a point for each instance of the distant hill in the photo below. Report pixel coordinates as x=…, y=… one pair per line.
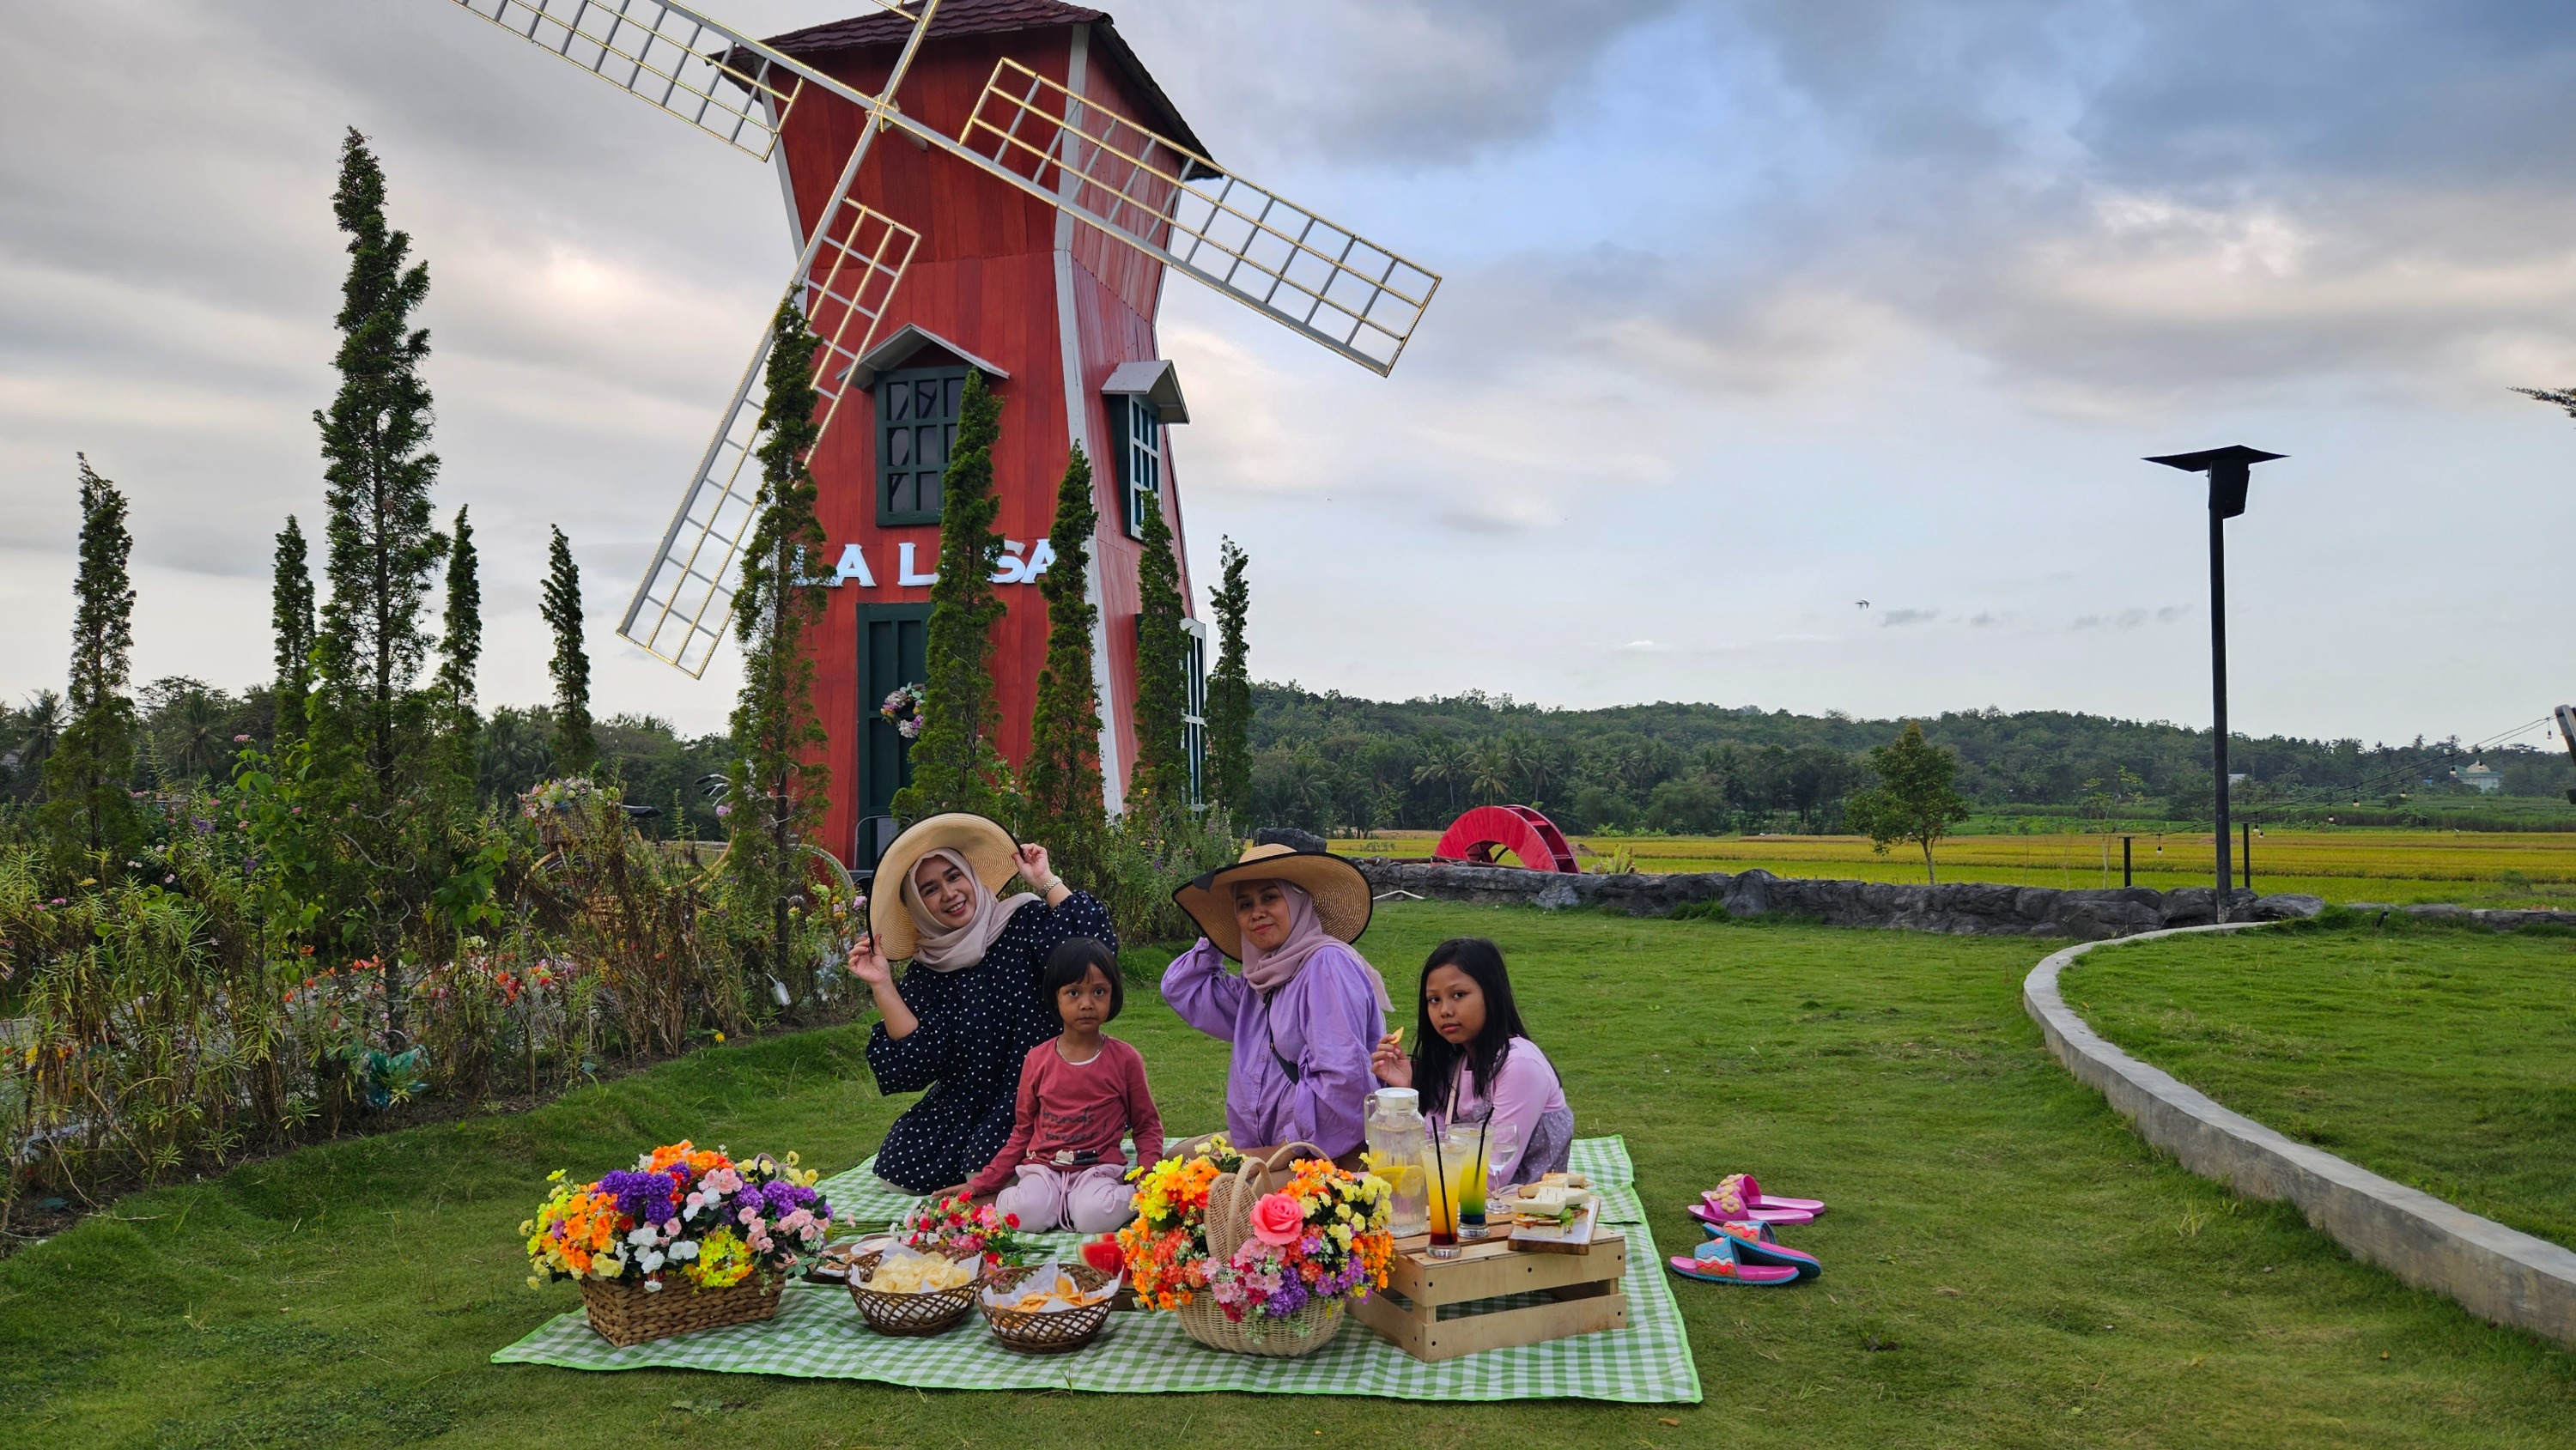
x=1330, y=761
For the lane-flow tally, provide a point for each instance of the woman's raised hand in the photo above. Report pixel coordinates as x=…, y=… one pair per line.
x=1032, y=859
x=868, y=964
x=1389, y=1062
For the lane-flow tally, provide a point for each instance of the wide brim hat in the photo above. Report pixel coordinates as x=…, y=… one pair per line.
x=985, y=843
x=1341, y=893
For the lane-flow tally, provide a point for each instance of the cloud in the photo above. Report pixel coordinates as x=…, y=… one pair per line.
x=1644, y=647
x=1899, y=618
x=2134, y=618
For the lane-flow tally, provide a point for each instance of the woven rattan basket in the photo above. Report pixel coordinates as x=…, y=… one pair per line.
x=1304, y=1332
x=1047, y=1332
x=909, y=1314
x=1229, y=1223
x=625, y=1314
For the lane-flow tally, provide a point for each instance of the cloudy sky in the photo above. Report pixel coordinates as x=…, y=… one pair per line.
x=1754, y=310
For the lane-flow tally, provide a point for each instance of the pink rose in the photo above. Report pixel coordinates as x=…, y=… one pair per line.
x=1278, y=1220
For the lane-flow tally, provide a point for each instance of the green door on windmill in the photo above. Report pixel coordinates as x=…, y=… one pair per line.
x=893, y=652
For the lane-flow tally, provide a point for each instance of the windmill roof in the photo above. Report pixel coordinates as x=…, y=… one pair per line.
x=997, y=17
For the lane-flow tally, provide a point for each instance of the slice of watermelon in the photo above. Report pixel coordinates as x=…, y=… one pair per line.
x=1104, y=1254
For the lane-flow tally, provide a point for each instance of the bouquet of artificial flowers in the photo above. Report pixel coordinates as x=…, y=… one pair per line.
x=964, y=1229
x=680, y=1215
x=1311, y=1240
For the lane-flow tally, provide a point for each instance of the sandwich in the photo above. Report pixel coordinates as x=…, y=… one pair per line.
x=1555, y=1201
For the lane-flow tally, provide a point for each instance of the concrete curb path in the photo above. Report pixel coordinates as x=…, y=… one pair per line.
x=2499, y=1274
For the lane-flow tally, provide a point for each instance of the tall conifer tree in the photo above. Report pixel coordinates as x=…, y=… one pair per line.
x=87, y=812
x=955, y=766
x=381, y=550
x=1229, y=703
x=1062, y=780
x=290, y=607
x=576, y=751
x=460, y=651
x=779, y=789
x=381, y=545
x=1161, y=785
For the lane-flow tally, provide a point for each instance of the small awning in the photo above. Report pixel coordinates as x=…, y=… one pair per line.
x=897, y=350
x=1156, y=381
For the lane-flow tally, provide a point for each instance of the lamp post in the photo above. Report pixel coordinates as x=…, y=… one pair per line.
x=2229, y=470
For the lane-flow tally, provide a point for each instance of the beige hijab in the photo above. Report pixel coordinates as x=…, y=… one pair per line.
x=944, y=948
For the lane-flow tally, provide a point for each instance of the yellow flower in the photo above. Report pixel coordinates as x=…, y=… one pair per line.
x=719, y=1039
x=792, y=1159
x=535, y=1283
x=555, y=1177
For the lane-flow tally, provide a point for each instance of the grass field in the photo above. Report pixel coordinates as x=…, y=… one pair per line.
x=2440, y=1058
x=2006, y=1265
x=2525, y=869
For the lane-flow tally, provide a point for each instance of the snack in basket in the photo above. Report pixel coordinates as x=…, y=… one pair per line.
x=919, y=1274
x=1048, y=1290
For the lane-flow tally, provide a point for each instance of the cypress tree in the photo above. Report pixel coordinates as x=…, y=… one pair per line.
x=291, y=618
x=955, y=766
x=575, y=750
x=87, y=812
x=369, y=719
x=1162, y=780
x=460, y=650
x=1229, y=704
x=375, y=436
x=779, y=788
x=1063, y=799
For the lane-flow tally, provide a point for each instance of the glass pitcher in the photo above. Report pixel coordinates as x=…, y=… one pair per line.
x=1398, y=1142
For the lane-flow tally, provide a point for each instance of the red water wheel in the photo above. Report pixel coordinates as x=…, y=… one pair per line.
x=1473, y=838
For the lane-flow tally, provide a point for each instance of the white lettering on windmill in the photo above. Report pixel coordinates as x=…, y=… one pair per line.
x=904, y=573
x=854, y=565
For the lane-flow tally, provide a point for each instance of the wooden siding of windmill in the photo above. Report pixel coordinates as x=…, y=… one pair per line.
x=1046, y=301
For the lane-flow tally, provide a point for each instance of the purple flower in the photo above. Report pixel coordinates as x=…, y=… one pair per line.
x=642, y=1197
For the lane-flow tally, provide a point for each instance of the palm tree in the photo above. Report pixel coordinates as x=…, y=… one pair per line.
x=1490, y=772
x=1444, y=764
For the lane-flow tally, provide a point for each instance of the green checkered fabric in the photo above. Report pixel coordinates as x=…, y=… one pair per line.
x=818, y=1334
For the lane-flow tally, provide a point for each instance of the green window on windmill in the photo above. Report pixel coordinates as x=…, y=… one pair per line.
x=1140, y=458
x=916, y=426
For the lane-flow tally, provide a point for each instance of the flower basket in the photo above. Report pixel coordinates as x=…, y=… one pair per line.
x=1257, y=1256
x=686, y=1240
x=627, y=1314
x=1059, y=1331
x=1304, y=1332
x=910, y=1314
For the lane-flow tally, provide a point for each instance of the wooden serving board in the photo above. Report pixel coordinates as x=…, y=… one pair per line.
x=1572, y=1238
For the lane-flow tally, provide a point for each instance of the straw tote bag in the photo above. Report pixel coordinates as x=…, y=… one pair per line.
x=1229, y=1223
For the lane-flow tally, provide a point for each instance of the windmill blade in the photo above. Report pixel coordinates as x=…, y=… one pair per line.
x=844, y=283
x=707, y=74
x=1278, y=258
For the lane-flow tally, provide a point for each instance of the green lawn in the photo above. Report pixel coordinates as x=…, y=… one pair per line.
x=2441, y=1057
x=2005, y=1263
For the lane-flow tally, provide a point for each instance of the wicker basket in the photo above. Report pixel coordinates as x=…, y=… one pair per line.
x=1058, y=1331
x=1304, y=1332
x=625, y=1314
x=1229, y=1223
x=910, y=1314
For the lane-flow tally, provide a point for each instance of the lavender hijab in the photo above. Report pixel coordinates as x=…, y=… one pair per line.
x=945, y=948
x=1270, y=970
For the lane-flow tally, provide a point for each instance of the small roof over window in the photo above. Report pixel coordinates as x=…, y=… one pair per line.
x=1156, y=381
x=898, y=351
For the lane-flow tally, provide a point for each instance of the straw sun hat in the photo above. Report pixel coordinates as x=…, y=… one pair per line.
x=985, y=844
x=1341, y=893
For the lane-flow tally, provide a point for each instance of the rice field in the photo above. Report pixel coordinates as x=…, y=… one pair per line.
x=2509, y=869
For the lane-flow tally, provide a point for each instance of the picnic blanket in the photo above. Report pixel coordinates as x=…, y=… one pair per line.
x=818, y=1334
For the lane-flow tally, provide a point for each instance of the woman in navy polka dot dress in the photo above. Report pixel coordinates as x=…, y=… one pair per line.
x=965, y=1014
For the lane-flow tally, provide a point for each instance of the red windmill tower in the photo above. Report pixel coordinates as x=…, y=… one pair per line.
x=988, y=184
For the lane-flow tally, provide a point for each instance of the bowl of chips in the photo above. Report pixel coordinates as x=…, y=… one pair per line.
x=1048, y=1308
x=901, y=1291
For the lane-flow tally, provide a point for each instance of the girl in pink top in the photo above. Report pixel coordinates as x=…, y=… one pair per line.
x=1081, y=1095
x=1473, y=1062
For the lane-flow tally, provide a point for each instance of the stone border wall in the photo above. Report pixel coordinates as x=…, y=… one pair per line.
x=1968, y=909
x=2499, y=1274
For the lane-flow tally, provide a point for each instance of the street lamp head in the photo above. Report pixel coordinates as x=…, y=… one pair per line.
x=2228, y=470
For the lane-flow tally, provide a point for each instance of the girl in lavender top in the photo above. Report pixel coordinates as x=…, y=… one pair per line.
x=1306, y=1008
x=1474, y=1062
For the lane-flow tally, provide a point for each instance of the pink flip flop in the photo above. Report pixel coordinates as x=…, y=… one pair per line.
x=1739, y=1192
x=1715, y=1262
x=1706, y=1214
x=1756, y=1244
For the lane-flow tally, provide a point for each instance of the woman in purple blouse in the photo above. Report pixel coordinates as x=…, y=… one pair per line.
x=1304, y=1012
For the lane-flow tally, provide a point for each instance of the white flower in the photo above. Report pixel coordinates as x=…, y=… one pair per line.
x=652, y=1286
x=643, y=1234
x=685, y=1250
x=652, y=1260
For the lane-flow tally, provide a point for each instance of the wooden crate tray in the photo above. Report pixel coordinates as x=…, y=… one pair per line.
x=1581, y=1291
